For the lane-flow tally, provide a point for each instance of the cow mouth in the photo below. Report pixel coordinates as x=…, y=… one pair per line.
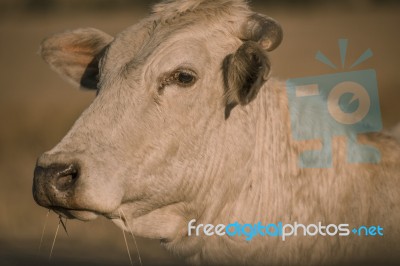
x=80, y=214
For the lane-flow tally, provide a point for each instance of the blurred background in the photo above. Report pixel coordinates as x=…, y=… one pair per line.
x=37, y=107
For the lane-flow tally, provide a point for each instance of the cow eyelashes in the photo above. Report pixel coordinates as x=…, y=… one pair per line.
x=180, y=77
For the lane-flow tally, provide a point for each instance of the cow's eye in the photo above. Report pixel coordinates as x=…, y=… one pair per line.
x=180, y=77
x=184, y=78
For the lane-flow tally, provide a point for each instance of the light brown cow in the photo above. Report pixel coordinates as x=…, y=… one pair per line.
x=187, y=124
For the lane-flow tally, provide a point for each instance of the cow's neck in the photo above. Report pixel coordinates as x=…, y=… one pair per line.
x=266, y=176
x=253, y=176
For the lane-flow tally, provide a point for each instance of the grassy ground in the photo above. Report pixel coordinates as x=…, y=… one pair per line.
x=37, y=108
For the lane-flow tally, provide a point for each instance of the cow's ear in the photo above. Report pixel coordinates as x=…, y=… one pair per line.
x=75, y=55
x=245, y=72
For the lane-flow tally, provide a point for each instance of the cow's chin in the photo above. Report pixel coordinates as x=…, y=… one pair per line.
x=162, y=223
x=82, y=215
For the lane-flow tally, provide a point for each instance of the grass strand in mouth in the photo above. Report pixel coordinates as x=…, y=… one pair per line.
x=134, y=239
x=64, y=224
x=126, y=242
x=54, y=240
x=43, y=230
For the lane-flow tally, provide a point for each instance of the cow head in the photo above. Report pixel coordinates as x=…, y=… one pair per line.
x=163, y=139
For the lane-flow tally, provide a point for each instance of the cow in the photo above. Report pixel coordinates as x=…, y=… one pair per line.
x=188, y=128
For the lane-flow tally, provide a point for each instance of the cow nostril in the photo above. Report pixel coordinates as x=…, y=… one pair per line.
x=66, y=178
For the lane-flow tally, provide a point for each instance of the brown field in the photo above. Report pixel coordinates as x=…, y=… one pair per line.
x=37, y=108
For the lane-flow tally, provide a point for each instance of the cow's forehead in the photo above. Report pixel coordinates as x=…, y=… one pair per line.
x=139, y=41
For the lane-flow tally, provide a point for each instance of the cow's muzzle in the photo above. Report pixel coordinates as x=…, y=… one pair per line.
x=54, y=185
